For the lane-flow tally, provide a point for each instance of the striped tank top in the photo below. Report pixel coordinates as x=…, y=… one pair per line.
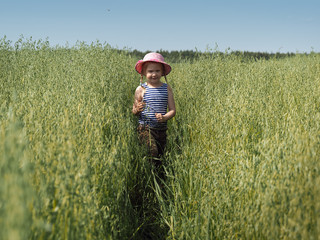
x=156, y=101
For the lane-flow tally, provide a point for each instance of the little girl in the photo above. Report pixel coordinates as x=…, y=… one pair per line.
x=154, y=104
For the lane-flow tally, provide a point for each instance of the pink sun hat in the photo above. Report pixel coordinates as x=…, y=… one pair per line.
x=153, y=57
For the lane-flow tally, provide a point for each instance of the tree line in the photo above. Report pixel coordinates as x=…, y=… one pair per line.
x=190, y=55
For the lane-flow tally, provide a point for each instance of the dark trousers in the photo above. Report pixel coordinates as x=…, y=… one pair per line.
x=155, y=140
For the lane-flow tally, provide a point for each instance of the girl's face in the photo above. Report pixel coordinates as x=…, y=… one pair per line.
x=153, y=72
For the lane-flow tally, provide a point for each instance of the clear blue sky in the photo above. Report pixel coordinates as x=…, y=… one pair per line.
x=248, y=25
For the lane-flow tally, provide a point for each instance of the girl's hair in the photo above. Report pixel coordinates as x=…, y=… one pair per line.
x=141, y=81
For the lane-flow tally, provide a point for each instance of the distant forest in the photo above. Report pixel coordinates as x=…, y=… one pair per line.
x=189, y=55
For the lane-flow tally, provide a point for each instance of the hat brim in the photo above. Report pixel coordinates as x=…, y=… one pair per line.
x=139, y=65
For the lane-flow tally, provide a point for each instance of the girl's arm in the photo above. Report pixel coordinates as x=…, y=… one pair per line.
x=138, y=103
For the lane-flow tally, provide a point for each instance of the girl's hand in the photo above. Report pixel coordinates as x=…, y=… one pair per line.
x=160, y=117
x=140, y=106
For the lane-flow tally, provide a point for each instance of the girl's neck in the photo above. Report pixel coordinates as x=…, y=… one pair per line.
x=155, y=85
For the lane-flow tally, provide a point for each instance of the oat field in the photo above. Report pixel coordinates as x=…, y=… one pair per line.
x=242, y=159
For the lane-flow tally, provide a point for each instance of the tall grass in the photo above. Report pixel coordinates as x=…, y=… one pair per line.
x=248, y=165
x=242, y=158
